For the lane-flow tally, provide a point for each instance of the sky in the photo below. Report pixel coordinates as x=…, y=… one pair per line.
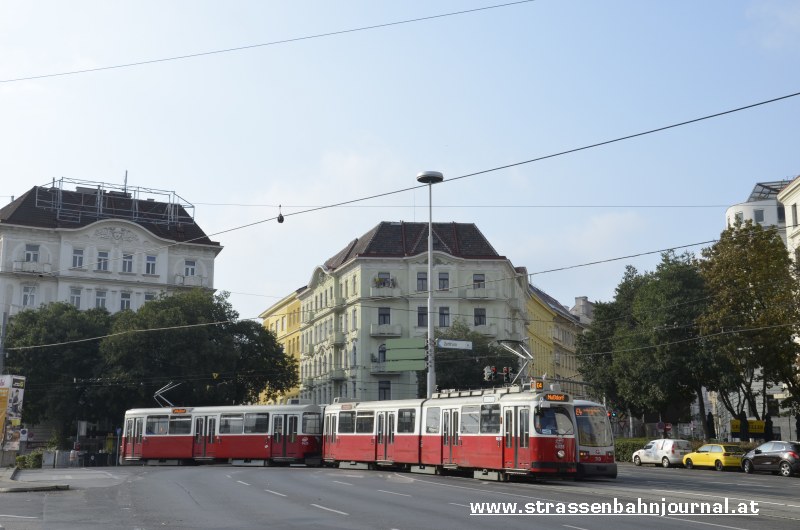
x=307, y=112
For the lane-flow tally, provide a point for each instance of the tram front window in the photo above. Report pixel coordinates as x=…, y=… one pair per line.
x=594, y=430
x=552, y=420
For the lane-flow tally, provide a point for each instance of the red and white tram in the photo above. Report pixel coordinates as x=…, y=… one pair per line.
x=493, y=433
x=595, y=440
x=248, y=434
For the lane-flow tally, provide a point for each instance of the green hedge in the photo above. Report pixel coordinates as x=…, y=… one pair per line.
x=32, y=460
x=625, y=447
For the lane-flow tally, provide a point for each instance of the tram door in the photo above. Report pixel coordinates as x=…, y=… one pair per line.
x=135, y=427
x=204, y=444
x=285, y=442
x=516, y=437
x=384, y=436
x=450, y=439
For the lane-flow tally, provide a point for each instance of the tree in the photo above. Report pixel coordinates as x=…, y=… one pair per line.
x=752, y=315
x=642, y=350
x=463, y=369
x=47, y=346
x=200, y=344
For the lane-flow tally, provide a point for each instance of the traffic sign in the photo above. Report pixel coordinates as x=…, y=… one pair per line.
x=405, y=349
x=454, y=344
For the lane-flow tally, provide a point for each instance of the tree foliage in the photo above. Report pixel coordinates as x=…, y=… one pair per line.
x=197, y=341
x=61, y=379
x=752, y=315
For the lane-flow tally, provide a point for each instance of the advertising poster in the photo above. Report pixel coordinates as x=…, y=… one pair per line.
x=12, y=392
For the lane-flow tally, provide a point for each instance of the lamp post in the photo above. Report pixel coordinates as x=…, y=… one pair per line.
x=430, y=178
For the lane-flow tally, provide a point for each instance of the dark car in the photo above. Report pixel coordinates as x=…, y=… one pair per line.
x=781, y=457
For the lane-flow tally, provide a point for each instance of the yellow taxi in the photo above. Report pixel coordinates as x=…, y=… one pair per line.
x=718, y=456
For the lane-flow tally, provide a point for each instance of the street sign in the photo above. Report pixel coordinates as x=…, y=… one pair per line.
x=405, y=366
x=405, y=349
x=454, y=344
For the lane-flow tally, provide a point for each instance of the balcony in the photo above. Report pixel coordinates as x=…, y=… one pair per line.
x=481, y=293
x=385, y=330
x=190, y=281
x=337, y=374
x=384, y=288
x=488, y=330
x=32, y=267
x=336, y=339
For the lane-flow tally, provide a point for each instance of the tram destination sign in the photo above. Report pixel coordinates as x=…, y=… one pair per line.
x=454, y=344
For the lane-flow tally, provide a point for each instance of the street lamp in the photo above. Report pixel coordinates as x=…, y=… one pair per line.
x=430, y=178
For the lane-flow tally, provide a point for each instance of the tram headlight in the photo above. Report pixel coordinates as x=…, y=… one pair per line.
x=561, y=453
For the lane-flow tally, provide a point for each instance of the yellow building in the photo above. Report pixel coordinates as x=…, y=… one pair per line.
x=552, y=340
x=283, y=319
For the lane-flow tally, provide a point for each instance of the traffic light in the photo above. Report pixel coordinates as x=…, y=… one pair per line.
x=506, y=374
x=487, y=373
x=494, y=373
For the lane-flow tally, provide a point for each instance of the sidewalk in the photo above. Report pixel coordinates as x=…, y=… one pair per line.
x=8, y=484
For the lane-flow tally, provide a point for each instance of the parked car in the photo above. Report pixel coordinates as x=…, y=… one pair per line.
x=718, y=456
x=665, y=452
x=781, y=457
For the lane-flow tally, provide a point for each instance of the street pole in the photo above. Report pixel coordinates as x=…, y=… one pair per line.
x=430, y=178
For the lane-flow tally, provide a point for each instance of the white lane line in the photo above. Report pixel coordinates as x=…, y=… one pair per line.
x=240, y=482
x=395, y=493
x=456, y=504
x=703, y=522
x=340, y=482
x=275, y=493
x=691, y=493
x=17, y=516
x=575, y=527
x=329, y=509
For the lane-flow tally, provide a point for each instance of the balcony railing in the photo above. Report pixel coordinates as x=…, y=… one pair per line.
x=34, y=267
x=336, y=339
x=190, y=281
x=481, y=292
x=385, y=330
x=488, y=330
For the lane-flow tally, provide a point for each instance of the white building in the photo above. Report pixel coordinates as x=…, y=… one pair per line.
x=99, y=246
x=376, y=289
x=762, y=207
x=789, y=198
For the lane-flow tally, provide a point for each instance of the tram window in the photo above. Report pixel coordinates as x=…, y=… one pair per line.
x=365, y=421
x=347, y=422
x=509, y=425
x=524, y=426
x=180, y=424
x=157, y=425
x=256, y=423
x=553, y=420
x=432, y=420
x=311, y=422
x=405, y=420
x=470, y=419
x=490, y=419
x=231, y=424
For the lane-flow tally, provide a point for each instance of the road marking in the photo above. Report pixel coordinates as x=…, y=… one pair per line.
x=456, y=504
x=395, y=493
x=275, y=493
x=340, y=482
x=17, y=516
x=731, y=498
x=575, y=527
x=702, y=522
x=240, y=482
x=329, y=509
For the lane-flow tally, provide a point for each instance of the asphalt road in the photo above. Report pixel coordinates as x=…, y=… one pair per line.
x=299, y=497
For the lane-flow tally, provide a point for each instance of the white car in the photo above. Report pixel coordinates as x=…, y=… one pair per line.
x=664, y=452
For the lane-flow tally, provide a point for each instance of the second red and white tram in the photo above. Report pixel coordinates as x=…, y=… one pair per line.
x=253, y=434
x=493, y=433
x=595, y=440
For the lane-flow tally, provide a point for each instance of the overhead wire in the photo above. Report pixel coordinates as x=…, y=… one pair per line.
x=264, y=44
